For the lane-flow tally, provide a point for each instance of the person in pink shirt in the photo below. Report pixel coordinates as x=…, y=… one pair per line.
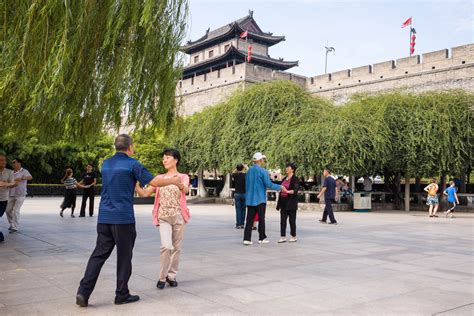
x=170, y=214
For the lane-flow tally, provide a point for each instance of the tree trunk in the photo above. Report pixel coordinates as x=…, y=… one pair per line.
x=418, y=190
x=462, y=189
x=407, y=194
x=443, y=187
x=398, y=191
x=226, y=193
x=201, y=189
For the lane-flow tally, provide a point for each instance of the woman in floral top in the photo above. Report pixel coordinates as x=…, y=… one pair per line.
x=171, y=214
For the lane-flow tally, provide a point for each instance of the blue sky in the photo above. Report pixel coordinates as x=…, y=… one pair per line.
x=362, y=32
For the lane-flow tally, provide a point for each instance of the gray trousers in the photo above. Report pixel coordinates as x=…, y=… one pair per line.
x=13, y=210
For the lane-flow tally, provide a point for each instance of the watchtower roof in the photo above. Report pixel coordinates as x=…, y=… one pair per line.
x=233, y=30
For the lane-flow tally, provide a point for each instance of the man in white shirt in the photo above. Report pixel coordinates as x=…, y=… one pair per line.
x=367, y=184
x=17, y=194
x=6, y=182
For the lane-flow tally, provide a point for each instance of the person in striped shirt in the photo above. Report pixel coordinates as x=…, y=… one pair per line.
x=70, y=183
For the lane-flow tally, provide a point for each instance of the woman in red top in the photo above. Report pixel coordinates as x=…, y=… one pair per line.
x=288, y=203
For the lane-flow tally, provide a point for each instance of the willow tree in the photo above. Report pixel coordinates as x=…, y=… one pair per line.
x=198, y=138
x=254, y=118
x=72, y=68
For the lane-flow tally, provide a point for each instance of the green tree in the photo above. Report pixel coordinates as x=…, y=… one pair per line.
x=69, y=68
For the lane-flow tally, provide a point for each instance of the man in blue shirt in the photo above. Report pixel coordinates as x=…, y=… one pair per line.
x=116, y=221
x=257, y=181
x=329, y=192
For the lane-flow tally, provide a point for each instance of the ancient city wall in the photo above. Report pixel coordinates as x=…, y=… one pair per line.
x=194, y=94
x=437, y=70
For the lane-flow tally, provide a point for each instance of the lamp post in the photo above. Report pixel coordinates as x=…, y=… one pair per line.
x=328, y=49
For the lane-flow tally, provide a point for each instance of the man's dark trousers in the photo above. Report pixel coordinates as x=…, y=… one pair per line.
x=87, y=193
x=108, y=236
x=328, y=211
x=251, y=211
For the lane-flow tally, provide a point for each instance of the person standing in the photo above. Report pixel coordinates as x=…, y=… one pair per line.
x=329, y=193
x=432, y=199
x=89, y=180
x=170, y=214
x=116, y=220
x=6, y=182
x=70, y=184
x=257, y=182
x=239, y=196
x=288, y=203
x=367, y=184
x=17, y=194
x=452, y=198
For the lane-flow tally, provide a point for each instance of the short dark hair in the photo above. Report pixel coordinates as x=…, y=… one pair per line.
x=240, y=167
x=172, y=152
x=18, y=160
x=123, y=142
x=328, y=169
x=292, y=165
x=3, y=154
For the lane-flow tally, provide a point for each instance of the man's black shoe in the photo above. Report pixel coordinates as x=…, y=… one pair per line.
x=322, y=222
x=82, y=216
x=81, y=300
x=172, y=283
x=129, y=299
x=160, y=285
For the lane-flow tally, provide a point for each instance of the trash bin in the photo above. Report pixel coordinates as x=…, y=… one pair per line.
x=362, y=202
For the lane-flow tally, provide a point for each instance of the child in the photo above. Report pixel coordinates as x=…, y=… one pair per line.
x=70, y=194
x=452, y=198
x=432, y=199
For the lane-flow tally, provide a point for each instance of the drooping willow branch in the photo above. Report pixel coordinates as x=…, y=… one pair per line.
x=70, y=68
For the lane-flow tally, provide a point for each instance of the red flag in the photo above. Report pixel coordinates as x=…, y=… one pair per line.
x=407, y=22
x=244, y=34
x=249, y=53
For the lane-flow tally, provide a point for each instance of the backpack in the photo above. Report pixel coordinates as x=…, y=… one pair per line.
x=433, y=190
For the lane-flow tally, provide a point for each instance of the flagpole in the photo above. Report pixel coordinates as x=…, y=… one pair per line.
x=409, y=42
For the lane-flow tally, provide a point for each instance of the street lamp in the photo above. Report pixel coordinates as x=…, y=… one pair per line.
x=328, y=49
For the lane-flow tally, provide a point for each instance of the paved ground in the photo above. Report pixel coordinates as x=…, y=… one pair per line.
x=371, y=264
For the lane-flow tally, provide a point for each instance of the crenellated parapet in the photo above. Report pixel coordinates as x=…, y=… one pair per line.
x=409, y=72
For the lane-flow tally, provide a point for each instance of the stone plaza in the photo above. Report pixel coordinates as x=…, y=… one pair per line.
x=378, y=263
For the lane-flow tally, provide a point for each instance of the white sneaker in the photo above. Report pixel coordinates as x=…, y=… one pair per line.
x=293, y=239
x=247, y=243
x=264, y=241
x=282, y=240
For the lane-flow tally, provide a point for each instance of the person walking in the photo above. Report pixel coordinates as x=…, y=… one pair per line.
x=432, y=199
x=170, y=214
x=89, y=180
x=452, y=198
x=329, y=193
x=288, y=203
x=239, y=196
x=6, y=182
x=116, y=220
x=70, y=184
x=17, y=194
x=257, y=182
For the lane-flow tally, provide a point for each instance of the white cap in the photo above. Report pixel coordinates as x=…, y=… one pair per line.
x=258, y=156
